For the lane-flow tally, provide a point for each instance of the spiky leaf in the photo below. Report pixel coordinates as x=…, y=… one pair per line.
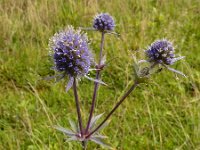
x=101, y=142
x=94, y=120
x=65, y=131
x=73, y=125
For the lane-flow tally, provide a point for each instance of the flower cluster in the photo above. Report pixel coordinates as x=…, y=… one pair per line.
x=161, y=51
x=71, y=52
x=104, y=22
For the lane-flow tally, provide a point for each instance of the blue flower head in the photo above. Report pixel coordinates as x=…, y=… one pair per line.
x=104, y=22
x=162, y=52
x=71, y=52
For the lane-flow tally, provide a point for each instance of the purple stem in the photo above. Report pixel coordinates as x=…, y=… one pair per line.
x=77, y=107
x=95, y=84
x=113, y=110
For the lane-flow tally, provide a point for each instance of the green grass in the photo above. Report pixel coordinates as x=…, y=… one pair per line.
x=164, y=115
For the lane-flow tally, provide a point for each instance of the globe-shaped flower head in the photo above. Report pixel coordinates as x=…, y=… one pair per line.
x=104, y=22
x=161, y=51
x=71, y=52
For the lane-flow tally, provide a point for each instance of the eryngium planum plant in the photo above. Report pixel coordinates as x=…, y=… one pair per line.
x=73, y=59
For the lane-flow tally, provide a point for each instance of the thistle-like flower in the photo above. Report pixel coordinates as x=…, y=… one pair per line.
x=71, y=53
x=104, y=22
x=161, y=52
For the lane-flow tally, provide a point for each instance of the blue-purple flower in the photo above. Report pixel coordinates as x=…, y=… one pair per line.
x=71, y=54
x=103, y=22
x=162, y=52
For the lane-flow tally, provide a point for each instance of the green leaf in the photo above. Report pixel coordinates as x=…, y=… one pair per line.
x=73, y=138
x=100, y=136
x=136, y=67
x=104, y=125
x=95, y=80
x=175, y=71
x=94, y=120
x=73, y=125
x=65, y=131
x=101, y=142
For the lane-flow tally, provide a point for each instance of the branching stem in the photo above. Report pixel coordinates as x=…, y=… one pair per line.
x=96, y=83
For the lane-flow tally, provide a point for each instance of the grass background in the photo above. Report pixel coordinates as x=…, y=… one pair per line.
x=162, y=115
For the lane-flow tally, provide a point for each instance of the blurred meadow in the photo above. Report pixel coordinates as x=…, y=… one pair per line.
x=163, y=115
